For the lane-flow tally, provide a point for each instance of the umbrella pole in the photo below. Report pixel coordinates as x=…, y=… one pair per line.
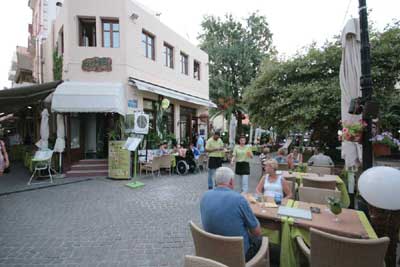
x=59, y=175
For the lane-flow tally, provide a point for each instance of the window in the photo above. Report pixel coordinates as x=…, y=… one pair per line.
x=148, y=45
x=110, y=33
x=168, y=55
x=169, y=112
x=149, y=108
x=196, y=70
x=87, y=32
x=184, y=64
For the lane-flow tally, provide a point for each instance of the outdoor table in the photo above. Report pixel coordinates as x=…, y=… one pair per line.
x=344, y=195
x=353, y=224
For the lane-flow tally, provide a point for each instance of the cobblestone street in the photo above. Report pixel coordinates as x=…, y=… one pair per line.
x=102, y=222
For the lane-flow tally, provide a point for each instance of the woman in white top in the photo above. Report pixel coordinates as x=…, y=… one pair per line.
x=271, y=183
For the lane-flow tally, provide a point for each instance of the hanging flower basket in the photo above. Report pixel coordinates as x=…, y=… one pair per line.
x=381, y=149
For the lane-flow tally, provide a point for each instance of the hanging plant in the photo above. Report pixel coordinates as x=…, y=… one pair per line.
x=57, y=66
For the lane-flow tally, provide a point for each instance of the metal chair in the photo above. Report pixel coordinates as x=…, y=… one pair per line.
x=42, y=161
x=317, y=195
x=334, y=251
x=227, y=250
x=194, y=261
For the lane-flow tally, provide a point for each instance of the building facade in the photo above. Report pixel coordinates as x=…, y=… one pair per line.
x=117, y=58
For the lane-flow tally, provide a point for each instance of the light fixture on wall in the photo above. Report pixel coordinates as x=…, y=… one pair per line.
x=134, y=16
x=59, y=4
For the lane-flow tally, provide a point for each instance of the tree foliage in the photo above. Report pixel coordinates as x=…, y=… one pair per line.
x=236, y=50
x=303, y=93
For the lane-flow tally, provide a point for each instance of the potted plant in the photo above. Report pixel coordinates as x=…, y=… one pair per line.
x=352, y=132
x=383, y=144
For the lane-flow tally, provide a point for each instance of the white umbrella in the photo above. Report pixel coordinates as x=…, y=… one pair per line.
x=251, y=134
x=60, y=141
x=350, y=72
x=43, y=143
x=232, y=131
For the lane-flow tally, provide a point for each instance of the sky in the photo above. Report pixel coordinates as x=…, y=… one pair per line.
x=293, y=23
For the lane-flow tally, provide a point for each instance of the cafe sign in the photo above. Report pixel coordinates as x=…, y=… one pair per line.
x=97, y=64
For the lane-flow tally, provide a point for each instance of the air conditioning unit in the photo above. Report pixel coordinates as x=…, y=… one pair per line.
x=141, y=123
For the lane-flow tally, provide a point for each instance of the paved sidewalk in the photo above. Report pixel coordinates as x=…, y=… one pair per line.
x=102, y=222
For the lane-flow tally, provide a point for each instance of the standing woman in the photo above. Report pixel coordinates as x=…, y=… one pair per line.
x=4, y=163
x=242, y=155
x=271, y=184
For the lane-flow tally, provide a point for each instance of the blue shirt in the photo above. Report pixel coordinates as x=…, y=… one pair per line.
x=280, y=159
x=227, y=213
x=200, y=144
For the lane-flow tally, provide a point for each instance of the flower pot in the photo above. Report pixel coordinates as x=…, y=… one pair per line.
x=381, y=150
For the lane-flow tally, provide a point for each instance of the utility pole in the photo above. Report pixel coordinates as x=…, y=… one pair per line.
x=366, y=84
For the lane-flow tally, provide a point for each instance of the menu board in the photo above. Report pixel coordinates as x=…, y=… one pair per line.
x=119, y=160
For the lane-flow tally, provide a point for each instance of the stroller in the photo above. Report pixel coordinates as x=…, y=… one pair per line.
x=186, y=164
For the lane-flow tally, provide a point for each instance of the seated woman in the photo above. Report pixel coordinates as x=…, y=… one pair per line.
x=294, y=158
x=280, y=158
x=272, y=184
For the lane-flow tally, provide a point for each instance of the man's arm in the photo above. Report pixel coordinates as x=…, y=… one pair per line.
x=256, y=231
x=250, y=219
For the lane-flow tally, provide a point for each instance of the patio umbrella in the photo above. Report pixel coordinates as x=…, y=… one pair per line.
x=60, y=141
x=251, y=134
x=232, y=131
x=350, y=72
x=43, y=143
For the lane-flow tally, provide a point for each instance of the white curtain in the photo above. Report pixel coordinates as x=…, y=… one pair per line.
x=43, y=143
x=350, y=72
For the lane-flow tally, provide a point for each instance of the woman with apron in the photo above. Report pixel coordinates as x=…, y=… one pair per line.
x=242, y=155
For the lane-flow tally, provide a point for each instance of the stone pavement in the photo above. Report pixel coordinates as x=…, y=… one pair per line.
x=102, y=222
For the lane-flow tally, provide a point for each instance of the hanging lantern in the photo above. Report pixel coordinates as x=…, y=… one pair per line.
x=165, y=103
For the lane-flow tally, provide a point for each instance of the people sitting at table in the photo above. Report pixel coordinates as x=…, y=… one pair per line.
x=319, y=159
x=265, y=154
x=294, y=158
x=164, y=148
x=227, y=213
x=280, y=157
x=182, y=150
x=272, y=184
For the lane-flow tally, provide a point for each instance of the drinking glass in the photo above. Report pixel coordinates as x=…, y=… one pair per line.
x=335, y=208
x=263, y=210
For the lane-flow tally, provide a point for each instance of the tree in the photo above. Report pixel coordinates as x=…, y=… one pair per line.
x=303, y=93
x=235, y=51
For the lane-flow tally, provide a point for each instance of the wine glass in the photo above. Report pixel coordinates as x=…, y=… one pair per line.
x=335, y=208
x=263, y=204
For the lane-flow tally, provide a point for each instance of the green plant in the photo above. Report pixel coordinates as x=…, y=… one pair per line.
x=386, y=138
x=302, y=167
x=57, y=66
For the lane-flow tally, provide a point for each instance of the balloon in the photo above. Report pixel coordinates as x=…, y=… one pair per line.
x=165, y=103
x=379, y=186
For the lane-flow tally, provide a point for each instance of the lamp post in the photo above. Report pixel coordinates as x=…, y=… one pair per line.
x=379, y=187
x=365, y=83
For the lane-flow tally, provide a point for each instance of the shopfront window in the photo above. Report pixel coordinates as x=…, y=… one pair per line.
x=75, y=132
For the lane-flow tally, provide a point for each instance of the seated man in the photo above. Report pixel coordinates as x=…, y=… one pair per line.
x=227, y=213
x=319, y=159
x=164, y=148
x=281, y=158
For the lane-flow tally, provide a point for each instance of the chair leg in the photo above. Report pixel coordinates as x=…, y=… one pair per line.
x=33, y=174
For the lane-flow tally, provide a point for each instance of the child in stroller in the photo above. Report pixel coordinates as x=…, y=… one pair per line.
x=185, y=162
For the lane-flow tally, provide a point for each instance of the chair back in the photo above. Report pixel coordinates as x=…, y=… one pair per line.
x=322, y=170
x=194, y=261
x=155, y=163
x=283, y=166
x=226, y=250
x=319, y=182
x=332, y=250
x=317, y=195
x=165, y=161
x=292, y=187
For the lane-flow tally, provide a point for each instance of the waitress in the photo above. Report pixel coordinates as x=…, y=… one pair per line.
x=242, y=155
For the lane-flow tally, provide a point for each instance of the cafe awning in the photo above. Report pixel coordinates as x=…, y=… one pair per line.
x=14, y=99
x=89, y=97
x=167, y=92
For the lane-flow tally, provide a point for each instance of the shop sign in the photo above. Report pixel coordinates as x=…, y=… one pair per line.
x=119, y=160
x=97, y=64
x=132, y=103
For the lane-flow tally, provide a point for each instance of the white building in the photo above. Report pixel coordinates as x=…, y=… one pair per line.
x=116, y=54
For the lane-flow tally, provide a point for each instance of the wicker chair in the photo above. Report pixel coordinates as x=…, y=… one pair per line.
x=202, y=162
x=227, y=250
x=151, y=166
x=283, y=167
x=317, y=195
x=336, y=251
x=292, y=187
x=165, y=163
x=322, y=170
x=194, y=261
x=318, y=182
